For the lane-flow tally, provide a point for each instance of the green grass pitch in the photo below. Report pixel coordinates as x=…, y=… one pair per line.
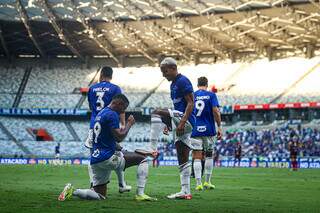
x=35, y=188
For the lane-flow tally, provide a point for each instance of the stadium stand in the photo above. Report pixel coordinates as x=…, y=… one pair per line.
x=10, y=79
x=54, y=88
x=236, y=85
x=6, y=100
x=18, y=127
x=9, y=148
x=3, y=136
x=49, y=101
x=307, y=90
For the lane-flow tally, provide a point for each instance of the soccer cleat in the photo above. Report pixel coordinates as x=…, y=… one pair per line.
x=199, y=187
x=180, y=195
x=208, y=185
x=125, y=188
x=66, y=193
x=145, y=197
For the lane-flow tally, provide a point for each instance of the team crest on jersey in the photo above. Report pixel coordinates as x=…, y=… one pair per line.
x=96, y=153
x=202, y=128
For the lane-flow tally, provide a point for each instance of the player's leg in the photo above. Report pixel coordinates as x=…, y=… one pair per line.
x=123, y=187
x=90, y=176
x=101, y=173
x=156, y=125
x=294, y=163
x=100, y=177
x=87, y=194
x=183, y=144
x=185, y=171
x=136, y=159
x=208, y=143
x=197, y=157
x=88, y=144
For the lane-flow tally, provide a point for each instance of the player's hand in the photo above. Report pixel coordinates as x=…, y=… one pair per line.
x=165, y=130
x=180, y=129
x=219, y=134
x=131, y=120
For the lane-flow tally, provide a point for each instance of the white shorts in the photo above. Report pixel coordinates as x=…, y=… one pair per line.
x=175, y=120
x=203, y=143
x=101, y=171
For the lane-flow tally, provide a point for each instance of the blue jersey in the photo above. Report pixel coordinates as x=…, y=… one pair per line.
x=104, y=144
x=204, y=101
x=180, y=87
x=100, y=96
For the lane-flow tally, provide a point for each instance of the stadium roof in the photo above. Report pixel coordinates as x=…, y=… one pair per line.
x=185, y=28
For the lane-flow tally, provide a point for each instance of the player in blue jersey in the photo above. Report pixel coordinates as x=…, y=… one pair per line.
x=105, y=157
x=100, y=96
x=204, y=132
x=180, y=120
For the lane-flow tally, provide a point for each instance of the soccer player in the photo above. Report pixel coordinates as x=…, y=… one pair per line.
x=294, y=149
x=237, y=154
x=57, y=151
x=181, y=120
x=204, y=132
x=105, y=158
x=100, y=96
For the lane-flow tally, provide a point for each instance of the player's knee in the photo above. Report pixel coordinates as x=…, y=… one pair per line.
x=133, y=159
x=196, y=154
x=157, y=112
x=209, y=153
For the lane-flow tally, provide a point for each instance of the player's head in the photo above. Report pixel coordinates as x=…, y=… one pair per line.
x=203, y=82
x=168, y=68
x=119, y=103
x=106, y=73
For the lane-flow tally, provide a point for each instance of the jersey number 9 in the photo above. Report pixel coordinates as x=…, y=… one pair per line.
x=199, y=106
x=96, y=131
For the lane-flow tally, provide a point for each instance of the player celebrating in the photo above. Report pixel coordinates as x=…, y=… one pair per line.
x=181, y=120
x=105, y=158
x=204, y=132
x=100, y=96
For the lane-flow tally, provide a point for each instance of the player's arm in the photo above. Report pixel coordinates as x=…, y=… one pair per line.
x=122, y=120
x=189, y=99
x=122, y=115
x=120, y=134
x=217, y=118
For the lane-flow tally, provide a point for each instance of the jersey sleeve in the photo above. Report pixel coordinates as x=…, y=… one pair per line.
x=214, y=100
x=185, y=86
x=117, y=91
x=114, y=121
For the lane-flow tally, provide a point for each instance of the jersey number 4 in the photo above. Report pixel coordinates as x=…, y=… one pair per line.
x=199, y=106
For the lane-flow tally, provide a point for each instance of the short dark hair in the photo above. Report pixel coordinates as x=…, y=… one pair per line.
x=202, y=81
x=121, y=97
x=106, y=72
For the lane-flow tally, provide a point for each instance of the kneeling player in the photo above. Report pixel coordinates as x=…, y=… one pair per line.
x=204, y=132
x=105, y=158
